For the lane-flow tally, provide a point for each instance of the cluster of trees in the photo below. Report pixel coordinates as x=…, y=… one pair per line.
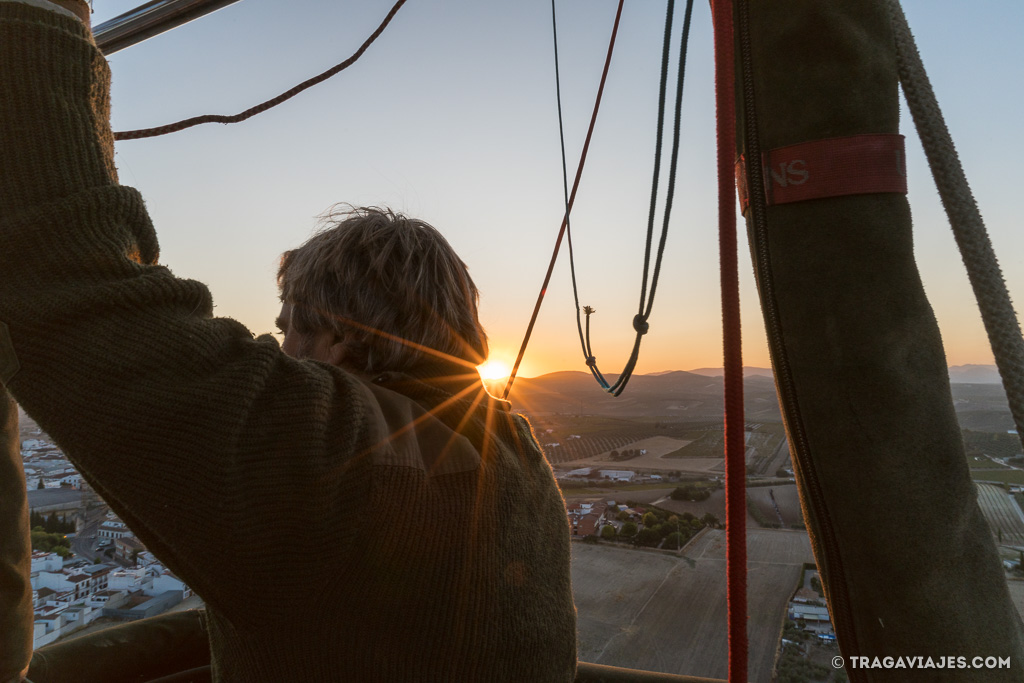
x=795, y=667
x=695, y=491
x=48, y=533
x=658, y=528
x=51, y=523
x=625, y=454
x=50, y=542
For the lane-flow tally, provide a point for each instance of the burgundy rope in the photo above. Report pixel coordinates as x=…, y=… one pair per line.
x=568, y=208
x=259, y=108
x=735, y=471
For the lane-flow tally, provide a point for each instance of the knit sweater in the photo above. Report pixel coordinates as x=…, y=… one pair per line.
x=338, y=527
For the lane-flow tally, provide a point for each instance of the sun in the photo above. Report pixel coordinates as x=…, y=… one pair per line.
x=494, y=369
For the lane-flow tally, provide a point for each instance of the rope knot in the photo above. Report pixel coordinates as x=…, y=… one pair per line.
x=640, y=324
x=591, y=361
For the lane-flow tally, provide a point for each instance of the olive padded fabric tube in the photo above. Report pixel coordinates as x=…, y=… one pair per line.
x=15, y=548
x=134, y=652
x=909, y=563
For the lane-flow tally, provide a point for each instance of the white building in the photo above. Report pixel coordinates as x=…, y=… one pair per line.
x=152, y=580
x=581, y=472
x=617, y=475
x=72, y=480
x=114, y=529
x=46, y=562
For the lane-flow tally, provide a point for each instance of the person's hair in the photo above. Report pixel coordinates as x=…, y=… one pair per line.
x=390, y=286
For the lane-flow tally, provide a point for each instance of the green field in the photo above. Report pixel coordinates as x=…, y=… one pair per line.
x=1006, y=476
x=1002, y=513
x=600, y=490
x=998, y=445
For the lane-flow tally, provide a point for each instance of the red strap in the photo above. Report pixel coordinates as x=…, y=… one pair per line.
x=735, y=470
x=835, y=167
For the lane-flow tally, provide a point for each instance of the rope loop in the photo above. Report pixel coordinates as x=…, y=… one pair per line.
x=640, y=324
x=591, y=361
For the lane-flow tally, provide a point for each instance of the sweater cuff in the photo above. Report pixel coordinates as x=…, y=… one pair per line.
x=56, y=132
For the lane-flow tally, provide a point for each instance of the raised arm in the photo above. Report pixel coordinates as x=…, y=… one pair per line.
x=192, y=430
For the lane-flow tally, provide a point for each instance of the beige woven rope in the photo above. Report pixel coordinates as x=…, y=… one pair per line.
x=968, y=228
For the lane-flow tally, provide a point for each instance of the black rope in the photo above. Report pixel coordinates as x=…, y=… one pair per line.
x=264, y=106
x=572, y=196
x=640, y=320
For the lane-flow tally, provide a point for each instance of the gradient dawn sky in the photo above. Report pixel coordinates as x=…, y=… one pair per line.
x=450, y=117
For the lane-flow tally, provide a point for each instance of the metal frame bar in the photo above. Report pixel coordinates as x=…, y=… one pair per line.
x=151, y=19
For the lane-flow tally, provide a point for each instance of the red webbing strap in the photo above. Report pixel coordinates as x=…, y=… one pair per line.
x=735, y=467
x=834, y=167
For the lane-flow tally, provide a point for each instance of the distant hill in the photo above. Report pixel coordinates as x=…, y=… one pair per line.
x=958, y=374
x=679, y=396
x=747, y=372
x=974, y=374
x=674, y=395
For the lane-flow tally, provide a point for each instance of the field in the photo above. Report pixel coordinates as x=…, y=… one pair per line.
x=785, y=496
x=1002, y=513
x=999, y=444
x=715, y=504
x=660, y=612
x=1005, y=476
x=787, y=501
x=657, y=448
x=620, y=494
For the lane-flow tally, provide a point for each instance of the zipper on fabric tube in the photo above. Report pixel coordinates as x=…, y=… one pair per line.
x=838, y=594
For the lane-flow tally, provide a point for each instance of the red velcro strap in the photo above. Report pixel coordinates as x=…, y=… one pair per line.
x=860, y=164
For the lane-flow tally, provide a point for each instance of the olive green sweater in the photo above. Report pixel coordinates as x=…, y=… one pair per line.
x=329, y=540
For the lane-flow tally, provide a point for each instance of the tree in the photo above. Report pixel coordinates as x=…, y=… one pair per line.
x=46, y=542
x=674, y=541
x=628, y=530
x=623, y=516
x=650, y=519
x=40, y=486
x=608, y=532
x=648, y=537
x=614, y=455
x=693, y=492
x=709, y=520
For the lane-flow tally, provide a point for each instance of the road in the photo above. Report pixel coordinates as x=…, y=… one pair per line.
x=85, y=541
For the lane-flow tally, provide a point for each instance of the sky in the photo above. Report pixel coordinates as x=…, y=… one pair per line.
x=451, y=117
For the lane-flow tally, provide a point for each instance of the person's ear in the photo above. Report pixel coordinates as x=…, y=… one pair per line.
x=336, y=353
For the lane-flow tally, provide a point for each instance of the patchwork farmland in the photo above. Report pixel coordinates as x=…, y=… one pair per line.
x=1002, y=513
x=775, y=504
x=667, y=613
